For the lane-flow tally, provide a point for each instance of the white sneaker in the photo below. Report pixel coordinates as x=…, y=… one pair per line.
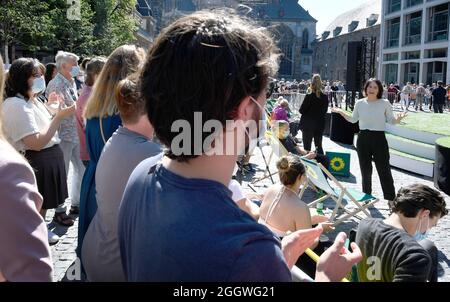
x=52, y=237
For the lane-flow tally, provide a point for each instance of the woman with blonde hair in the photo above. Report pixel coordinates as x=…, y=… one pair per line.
x=102, y=119
x=313, y=111
x=24, y=252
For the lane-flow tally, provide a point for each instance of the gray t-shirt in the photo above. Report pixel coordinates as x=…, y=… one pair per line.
x=373, y=115
x=390, y=254
x=122, y=153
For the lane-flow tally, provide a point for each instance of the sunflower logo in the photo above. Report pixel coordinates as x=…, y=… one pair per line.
x=337, y=164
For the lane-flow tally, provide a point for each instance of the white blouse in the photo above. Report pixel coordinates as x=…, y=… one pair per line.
x=22, y=118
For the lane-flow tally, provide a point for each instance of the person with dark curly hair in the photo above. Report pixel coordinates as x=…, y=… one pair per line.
x=178, y=222
x=396, y=249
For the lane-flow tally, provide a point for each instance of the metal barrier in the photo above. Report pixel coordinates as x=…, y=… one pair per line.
x=335, y=98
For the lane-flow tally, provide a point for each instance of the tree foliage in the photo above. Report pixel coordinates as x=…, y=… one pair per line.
x=43, y=26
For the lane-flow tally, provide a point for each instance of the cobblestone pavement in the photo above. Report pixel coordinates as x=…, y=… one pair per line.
x=63, y=253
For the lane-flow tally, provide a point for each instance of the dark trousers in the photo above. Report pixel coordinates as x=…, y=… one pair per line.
x=372, y=145
x=438, y=108
x=433, y=251
x=309, y=135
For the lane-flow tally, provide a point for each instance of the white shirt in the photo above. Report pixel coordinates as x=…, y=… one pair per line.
x=22, y=118
x=235, y=187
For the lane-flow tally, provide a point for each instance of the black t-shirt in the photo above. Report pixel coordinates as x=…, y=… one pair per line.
x=390, y=254
x=439, y=95
x=290, y=145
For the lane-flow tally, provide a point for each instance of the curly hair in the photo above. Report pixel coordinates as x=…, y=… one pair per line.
x=413, y=198
x=206, y=62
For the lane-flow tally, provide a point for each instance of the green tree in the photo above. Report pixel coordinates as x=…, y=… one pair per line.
x=115, y=24
x=22, y=18
x=45, y=26
x=71, y=35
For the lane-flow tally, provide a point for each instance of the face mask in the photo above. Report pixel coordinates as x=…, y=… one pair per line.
x=38, y=85
x=261, y=126
x=418, y=236
x=285, y=134
x=75, y=71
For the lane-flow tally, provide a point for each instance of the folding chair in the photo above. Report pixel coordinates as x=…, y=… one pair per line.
x=277, y=148
x=316, y=176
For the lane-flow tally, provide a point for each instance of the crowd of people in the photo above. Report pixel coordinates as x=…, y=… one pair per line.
x=435, y=97
x=411, y=96
x=151, y=215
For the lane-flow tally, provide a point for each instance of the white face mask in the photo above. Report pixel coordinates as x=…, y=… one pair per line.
x=75, y=71
x=38, y=85
x=261, y=127
x=419, y=235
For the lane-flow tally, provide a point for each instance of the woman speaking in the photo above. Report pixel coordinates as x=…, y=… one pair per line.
x=372, y=113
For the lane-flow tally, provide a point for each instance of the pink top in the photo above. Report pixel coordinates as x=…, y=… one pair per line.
x=81, y=126
x=24, y=249
x=279, y=114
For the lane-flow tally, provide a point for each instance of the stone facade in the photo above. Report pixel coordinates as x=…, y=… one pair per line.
x=147, y=24
x=292, y=26
x=330, y=56
x=330, y=48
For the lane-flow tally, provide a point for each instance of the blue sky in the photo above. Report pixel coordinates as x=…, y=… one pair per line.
x=325, y=11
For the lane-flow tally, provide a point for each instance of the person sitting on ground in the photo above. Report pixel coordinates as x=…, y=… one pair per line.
x=281, y=129
x=282, y=210
x=398, y=243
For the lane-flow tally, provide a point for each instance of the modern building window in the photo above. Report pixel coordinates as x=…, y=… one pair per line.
x=393, y=6
x=411, y=72
x=438, y=23
x=391, y=56
x=436, y=53
x=409, y=3
x=393, y=32
x=391, y=73
x=411, y=55
x=436, y=71
x=413, y=28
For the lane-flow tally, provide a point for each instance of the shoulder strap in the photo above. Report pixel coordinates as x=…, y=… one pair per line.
x=274, y=204
x=101, y=130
